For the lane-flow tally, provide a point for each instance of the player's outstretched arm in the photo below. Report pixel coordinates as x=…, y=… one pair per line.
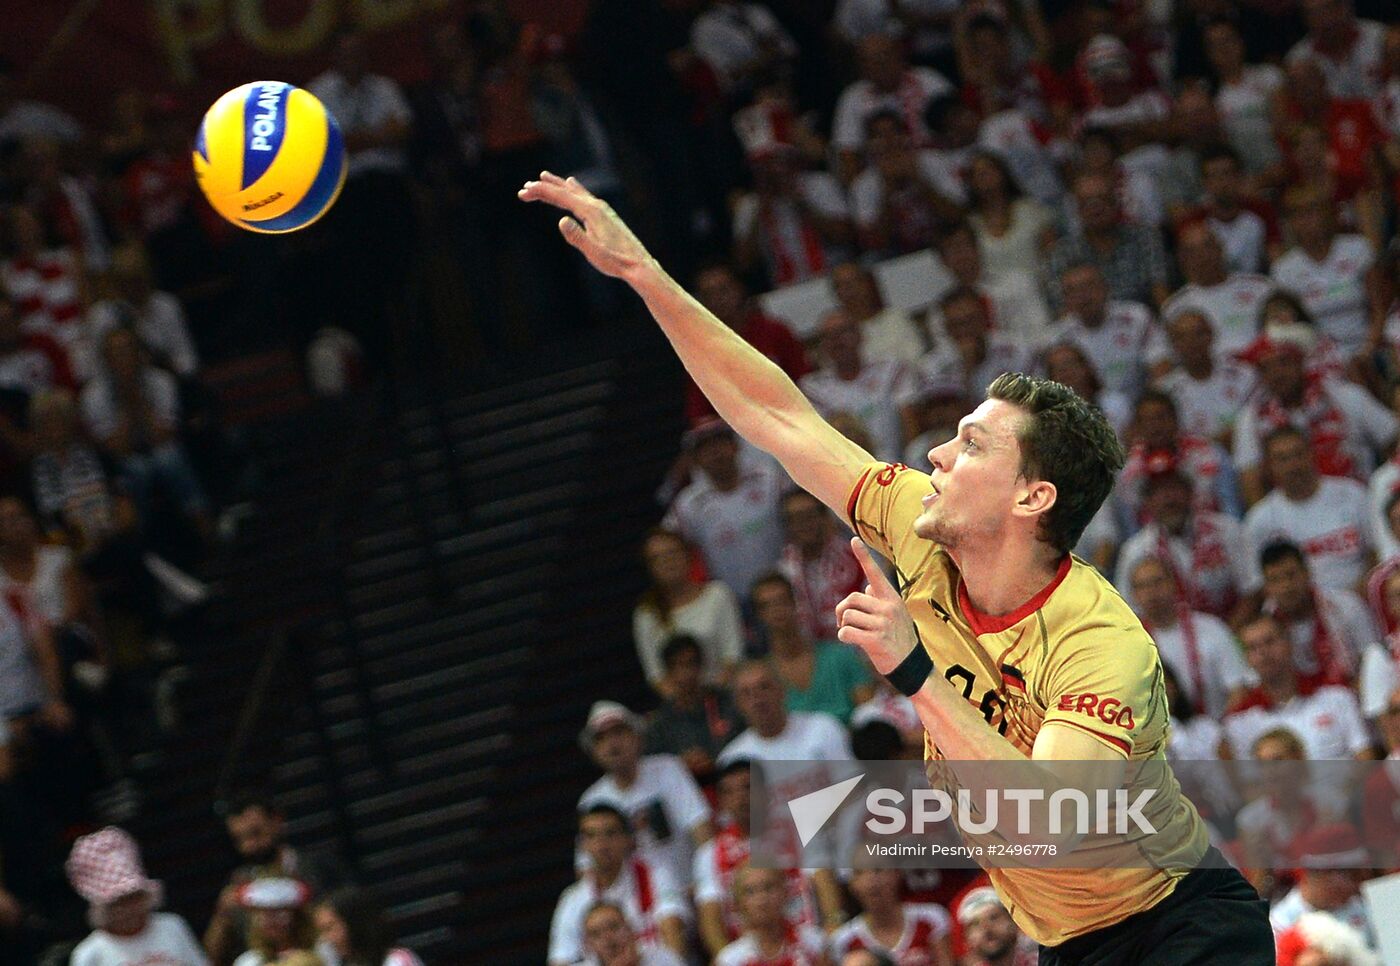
x=748, y=391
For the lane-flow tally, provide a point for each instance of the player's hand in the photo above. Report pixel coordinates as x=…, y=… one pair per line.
x=876, y=621
x=591, y=225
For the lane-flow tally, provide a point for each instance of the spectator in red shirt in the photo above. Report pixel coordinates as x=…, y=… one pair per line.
x=719, y=289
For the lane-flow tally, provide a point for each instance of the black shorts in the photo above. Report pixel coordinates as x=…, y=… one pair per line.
x=1212, y=917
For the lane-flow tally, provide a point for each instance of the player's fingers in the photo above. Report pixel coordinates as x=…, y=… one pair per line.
x=554, y=194
x=856, y=600
x=879, y=584
x=854, y=635
x=572, y=231
x=549, y=177
x=866, y=621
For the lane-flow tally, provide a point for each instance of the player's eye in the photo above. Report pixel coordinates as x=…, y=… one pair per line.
x=969, y=444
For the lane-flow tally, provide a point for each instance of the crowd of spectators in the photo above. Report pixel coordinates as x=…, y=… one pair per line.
x=1186, y=212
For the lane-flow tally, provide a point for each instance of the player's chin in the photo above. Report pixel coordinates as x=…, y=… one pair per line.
x=925, y=525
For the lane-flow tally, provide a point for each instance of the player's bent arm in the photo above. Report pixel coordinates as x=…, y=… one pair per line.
x=751, y=393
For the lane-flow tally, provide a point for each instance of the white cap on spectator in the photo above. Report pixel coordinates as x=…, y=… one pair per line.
x=106, y=866
x=974, y=902
x=605, y=714
x=274, y=892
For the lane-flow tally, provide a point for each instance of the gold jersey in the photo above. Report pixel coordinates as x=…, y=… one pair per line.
x=1075, y=655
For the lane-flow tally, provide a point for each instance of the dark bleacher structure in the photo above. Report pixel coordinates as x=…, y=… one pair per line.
x=411, y=631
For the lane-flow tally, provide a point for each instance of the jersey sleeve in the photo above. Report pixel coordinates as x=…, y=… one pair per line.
x=1106, y=682
x=882, y=508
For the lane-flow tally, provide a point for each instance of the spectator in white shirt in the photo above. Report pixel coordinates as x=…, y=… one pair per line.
x=1199, y=648
x=157, y=317
x=731, y=513
x=773, y=732
x=1243, y=96
x=1324, y=716
x=969, y=352
x=1209, y=391
x=1067, y=363
x=1122, y=339
x=886, y=332
x=795, y=223
x=886, y=83
x=907, y=196
x=1016, y=307
x=1012, y=230
x=1231, y=301
x=663, y=805
x=1205, y=550
x=741, y=41
x=654, y=906
x=910, y=932
x=760, y=895
x=1328, y=271
x=1324, y=516
x=878, y=392
x=813, y=895
x=677, y=603
x=1283, y=316
x=1157, y=445
x=1333, y=863
x=105, y=869
x=611, y=940
x=1329, y=629
x=1344, y=425
x=1320, y=937
x=1348, y=49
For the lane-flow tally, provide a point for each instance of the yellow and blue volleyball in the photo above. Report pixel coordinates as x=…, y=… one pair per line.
x=269, y=157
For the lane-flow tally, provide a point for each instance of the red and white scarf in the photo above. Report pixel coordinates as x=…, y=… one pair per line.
x=1324, y=423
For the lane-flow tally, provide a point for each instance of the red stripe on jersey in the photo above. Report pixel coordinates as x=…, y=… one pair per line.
x=1118, y=743
x=855, y=495
x=995, y=624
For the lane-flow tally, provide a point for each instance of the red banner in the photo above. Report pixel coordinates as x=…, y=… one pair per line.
x=79, y=53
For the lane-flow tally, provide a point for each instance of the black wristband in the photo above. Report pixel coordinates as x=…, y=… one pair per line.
x=912, y=672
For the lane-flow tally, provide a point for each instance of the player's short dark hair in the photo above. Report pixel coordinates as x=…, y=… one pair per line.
x=876, y=741
x=676, y=645
x=1066, y=442
x=1277, y=551
x=606, y=808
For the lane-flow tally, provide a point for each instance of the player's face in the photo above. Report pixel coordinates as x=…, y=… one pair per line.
x=976, y=477
x=607, y=934
x=991, y=933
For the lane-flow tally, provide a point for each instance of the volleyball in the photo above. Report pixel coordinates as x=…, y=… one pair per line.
x=269, y=157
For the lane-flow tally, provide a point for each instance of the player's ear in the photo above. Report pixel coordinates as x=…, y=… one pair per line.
x=1037, y=497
